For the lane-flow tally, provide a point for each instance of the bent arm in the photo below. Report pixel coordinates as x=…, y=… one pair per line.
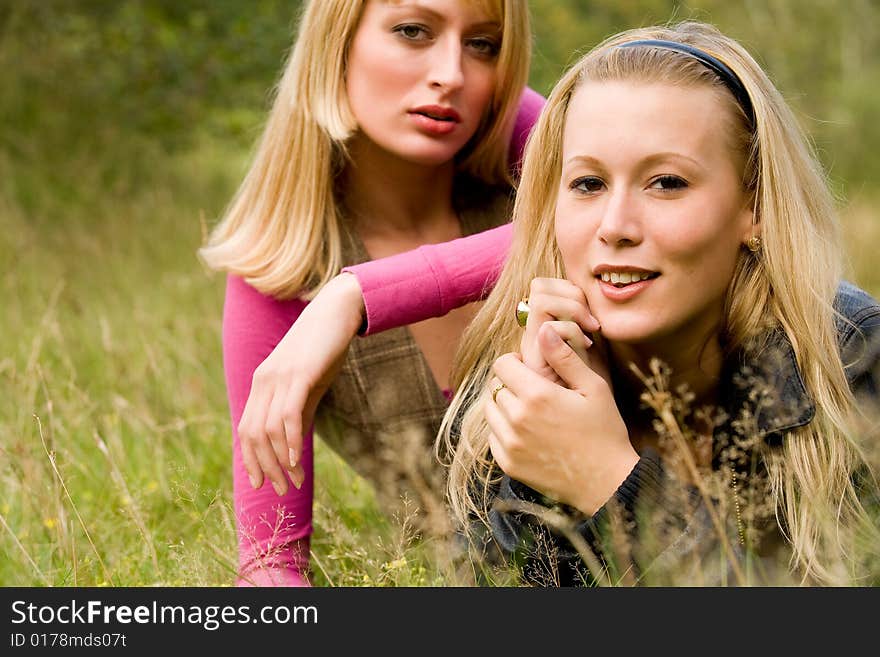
x=273, y=531
x=431, y=280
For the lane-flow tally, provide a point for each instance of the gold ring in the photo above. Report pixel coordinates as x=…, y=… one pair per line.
x=522, y=312
x=496, y=390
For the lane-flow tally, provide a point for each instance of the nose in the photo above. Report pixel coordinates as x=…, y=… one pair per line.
x=621, y=223
x=446, y=70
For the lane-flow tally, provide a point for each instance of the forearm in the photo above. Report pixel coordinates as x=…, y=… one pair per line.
x=431, y=280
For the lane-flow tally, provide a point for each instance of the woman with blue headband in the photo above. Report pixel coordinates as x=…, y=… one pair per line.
x=707, y=430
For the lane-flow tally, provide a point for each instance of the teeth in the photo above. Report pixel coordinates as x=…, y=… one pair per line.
x=624, y=277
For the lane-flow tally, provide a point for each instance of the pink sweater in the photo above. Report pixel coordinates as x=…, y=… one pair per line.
x=273, y=531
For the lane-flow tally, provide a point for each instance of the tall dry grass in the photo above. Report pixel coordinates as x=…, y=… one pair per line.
x=114, y=427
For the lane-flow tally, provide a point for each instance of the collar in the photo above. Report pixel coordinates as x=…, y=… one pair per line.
x=763, y=385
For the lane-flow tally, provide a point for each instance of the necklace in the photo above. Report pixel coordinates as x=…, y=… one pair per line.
x=739, y=522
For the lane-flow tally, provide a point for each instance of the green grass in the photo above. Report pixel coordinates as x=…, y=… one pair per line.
x=114, y=425
x=114, y=422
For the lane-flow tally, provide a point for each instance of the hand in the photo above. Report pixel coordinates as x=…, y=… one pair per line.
x=563, y=305
x=569, y=443
x=288, y=385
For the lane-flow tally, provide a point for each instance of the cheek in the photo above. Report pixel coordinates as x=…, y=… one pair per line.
x=373, y=72
x=573, y=234
x=480, y=86
x=706, y=255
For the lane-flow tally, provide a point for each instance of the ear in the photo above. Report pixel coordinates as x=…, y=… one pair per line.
x=749, y=222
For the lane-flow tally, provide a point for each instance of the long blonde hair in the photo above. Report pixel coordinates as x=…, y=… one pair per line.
x=282, y=230
x=791, y=285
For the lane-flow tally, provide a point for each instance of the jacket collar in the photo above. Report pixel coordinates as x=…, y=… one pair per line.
x=764, y=385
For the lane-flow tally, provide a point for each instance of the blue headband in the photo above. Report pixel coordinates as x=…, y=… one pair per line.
x=728, y=77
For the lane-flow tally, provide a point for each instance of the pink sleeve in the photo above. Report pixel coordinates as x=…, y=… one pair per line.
x=273, y=531
x=530, y=105
x=433, y=279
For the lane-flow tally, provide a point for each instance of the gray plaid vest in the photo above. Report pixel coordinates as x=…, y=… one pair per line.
x=383, y=411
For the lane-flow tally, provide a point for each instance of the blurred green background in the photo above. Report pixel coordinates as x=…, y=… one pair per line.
x=125, y=127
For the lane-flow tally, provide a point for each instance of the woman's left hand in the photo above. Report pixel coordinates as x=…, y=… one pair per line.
x=570, y=443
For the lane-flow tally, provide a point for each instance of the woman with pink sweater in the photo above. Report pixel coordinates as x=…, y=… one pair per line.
x=394, y=125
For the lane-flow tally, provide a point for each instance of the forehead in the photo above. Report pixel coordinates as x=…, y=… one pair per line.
x=615, y=117
x=482, y=10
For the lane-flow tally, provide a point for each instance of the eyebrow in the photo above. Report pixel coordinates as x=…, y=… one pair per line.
x=654, y=158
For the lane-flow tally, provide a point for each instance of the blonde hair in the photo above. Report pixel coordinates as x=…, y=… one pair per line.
x=282, y=232
x=791, y=285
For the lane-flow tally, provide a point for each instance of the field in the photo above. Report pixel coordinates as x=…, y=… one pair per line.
x=114, y=428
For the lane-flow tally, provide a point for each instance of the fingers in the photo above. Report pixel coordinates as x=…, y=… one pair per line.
x=501, y=434
x=251, y=423
x=263, y=436
x=292, y=421
x=563, y=300
x=268, y=461
x=297, y=475
x=251, y=465
x=571, y=333
x=555, y=300
x=275, y=431
x=519, y=380
x=571, y=366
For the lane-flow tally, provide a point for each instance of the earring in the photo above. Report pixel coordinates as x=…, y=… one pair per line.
x=754, y=244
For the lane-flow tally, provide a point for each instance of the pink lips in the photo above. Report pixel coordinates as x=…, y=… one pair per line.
x=614, y=293
x=435, y=119
x=628, y=291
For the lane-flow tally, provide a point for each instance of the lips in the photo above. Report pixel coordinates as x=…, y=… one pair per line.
x=437, y=113
x=623, y=282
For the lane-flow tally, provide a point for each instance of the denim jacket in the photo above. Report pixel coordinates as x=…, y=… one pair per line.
x=786, y=406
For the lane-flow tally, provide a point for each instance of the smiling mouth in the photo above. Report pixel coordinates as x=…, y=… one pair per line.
x=623, y=279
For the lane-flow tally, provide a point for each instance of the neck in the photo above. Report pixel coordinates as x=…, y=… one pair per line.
x=387, y=196
x=695, y=363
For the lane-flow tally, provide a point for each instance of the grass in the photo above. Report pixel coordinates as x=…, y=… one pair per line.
x=114, y=424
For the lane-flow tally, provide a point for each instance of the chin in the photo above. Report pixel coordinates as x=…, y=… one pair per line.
x=626, y=335
x=433, y=161
x=428, y=151
x=429, y=158
x=627, y=329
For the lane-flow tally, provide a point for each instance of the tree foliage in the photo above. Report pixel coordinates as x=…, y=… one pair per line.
x=87, y=76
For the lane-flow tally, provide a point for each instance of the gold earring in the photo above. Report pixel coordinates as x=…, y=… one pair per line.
x=754, y=244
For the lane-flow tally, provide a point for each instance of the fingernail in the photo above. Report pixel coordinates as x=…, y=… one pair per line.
x=253, y=481
x=277, y=488
x=297, y=477
x=292, y=456
x=588, y=342
x=596, y=323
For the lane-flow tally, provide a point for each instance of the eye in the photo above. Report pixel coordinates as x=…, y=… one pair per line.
x=485, y=46
x=668, y=183
x=412, y=31
x=587, y=185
